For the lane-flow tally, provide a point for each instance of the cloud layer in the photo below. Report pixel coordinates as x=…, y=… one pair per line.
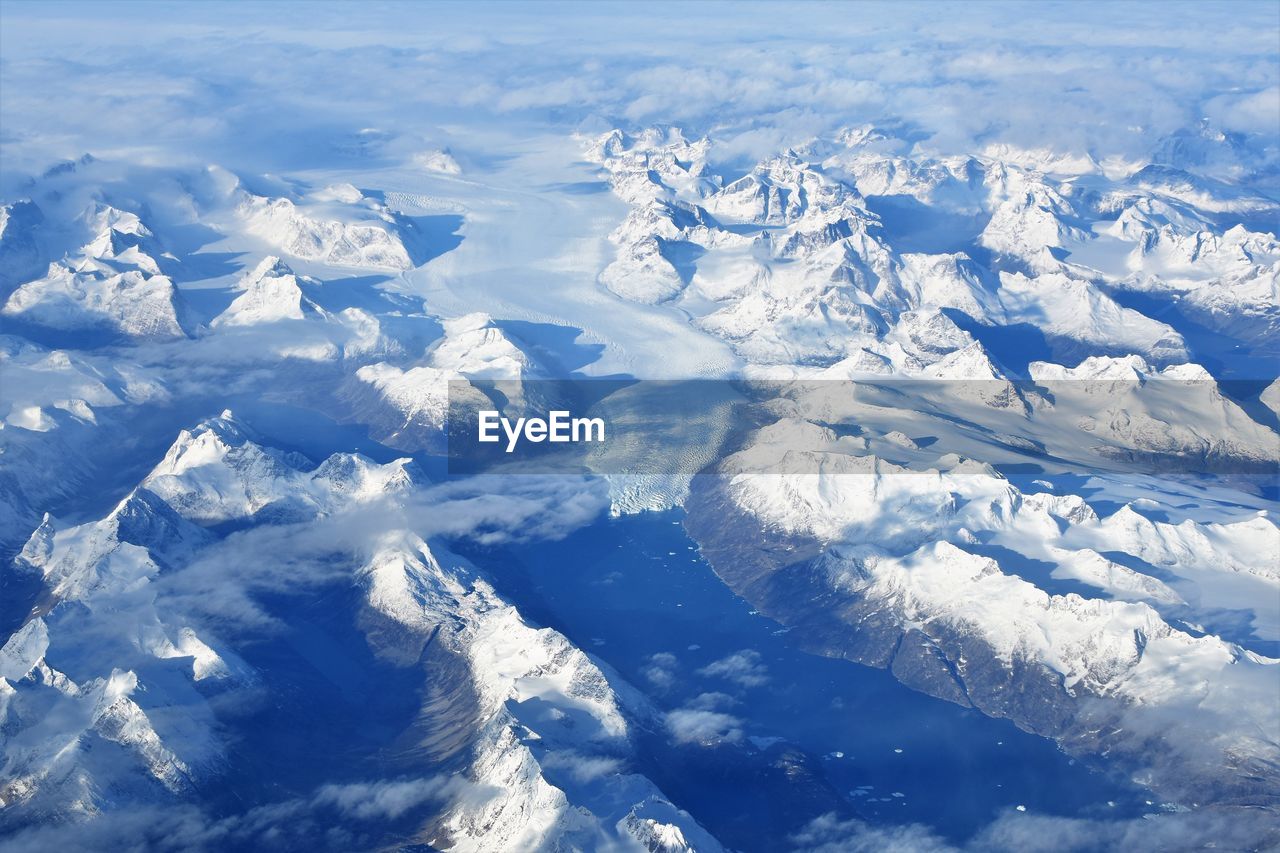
x=245, y=87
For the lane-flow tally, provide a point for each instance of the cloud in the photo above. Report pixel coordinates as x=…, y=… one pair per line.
x=581, y=768
x=1018, y=832
x=660, y=671
x=386, y=799
x=496, y=509
x=1221, y=828
x=226, y=579
x=245, y=89
x=744, y=668
x=690, y=725
x=1253, y=112
x=830, y=834
x=712, y=701
x=336, y=817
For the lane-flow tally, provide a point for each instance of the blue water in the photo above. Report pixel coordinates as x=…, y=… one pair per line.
x=627, y=589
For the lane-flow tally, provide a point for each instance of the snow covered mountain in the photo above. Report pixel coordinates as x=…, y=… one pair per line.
x=792, y=265
x=511, y=697
x=932, y=564
x=929, y=569
x=963, y=535
x=1129, y=615
x=271, y=293
x=113, y=282
x=367, y=240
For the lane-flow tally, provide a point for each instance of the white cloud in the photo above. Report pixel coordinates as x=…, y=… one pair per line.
x=829, y=834
x=254, y=91
x=660, y=671
x=712, y=701
x=690, y=725
x=744, y=668
x=1252, y=112
x=581, y=768
x=226, y=579
x=386, y=799
x=351, y=816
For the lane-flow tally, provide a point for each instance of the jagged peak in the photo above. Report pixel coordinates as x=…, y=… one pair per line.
x=357, y=475
x=1128, y=367
x=270, y=266
x=930, y=332
x=24, y=650
x=39, y=544
x=212, y=437
x=21, y=211
x=270, y=293
x=1112, y=368
x=102, y=216
x=969, y=362
x=68, y=166
x=227, y=427
x=474, y=345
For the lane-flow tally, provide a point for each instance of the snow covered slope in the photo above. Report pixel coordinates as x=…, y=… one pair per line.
x=340, y=226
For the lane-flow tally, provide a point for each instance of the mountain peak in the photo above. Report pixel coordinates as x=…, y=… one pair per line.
x=270, y=293
x=270, y=266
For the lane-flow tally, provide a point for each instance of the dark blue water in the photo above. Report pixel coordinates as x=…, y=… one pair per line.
x=627, y=589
